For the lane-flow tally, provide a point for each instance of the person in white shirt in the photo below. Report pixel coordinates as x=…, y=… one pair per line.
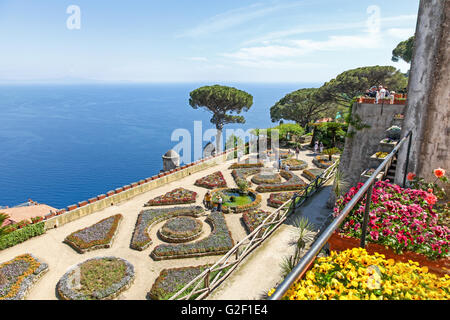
x=382, y=92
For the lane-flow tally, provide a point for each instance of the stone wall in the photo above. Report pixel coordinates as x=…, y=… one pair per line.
x=125, y=193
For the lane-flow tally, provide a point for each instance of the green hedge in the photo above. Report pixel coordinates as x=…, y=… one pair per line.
x=21, y=235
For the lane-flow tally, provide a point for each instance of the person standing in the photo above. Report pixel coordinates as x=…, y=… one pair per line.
x=316, y=147
x=219, y=205
x=208, y=200
x=297, y=152
x=279, y=164
x=321, y=147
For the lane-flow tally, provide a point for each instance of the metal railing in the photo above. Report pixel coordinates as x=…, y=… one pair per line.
x=320, y=242
x=202, y=285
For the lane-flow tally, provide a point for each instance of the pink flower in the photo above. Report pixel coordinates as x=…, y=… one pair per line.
x=374, y=235
x=431, y=199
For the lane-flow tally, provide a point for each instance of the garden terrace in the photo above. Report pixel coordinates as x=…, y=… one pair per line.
x=217, y=243
x=212, y=181
x=176, y=196
x=101, y=278
x=277, y=199
x=147, y=218
x=294, y=164
x=97, y=236
x=292, y=183
x=18, y=275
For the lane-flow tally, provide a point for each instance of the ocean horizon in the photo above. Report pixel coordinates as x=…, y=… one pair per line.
x=64, y=143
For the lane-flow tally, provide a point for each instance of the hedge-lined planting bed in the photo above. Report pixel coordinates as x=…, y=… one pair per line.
x=218, y=242
x=254, y=219
x=212, y=181
x=292, y=183
x=97, y=236
x=277, y=199
x=141, y=239
x=227, y=208
x=294, y=164
x=176, y=196
x=100, y=278
x=242, y=174
x=21, y=235
x=181, y=229
x=323, y=161
x=266, y=178
x=246, y=165
x=170, y=281
x=18, y=275
x=312, y=174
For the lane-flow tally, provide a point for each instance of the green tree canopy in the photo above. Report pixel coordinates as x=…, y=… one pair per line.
x=222, y=101
x=300, y=106
x=404, y=50
x=352, y=83
x=3, y=230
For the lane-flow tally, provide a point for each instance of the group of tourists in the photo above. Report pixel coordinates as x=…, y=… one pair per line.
x=380, y=92
x=208, y=202
x=318, y=147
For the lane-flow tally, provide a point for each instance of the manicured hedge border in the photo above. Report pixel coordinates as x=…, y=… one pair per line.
x=322, y=161
x=254, y=219
x=21, y=235
x=147, y=218
x=275, y=202
x=174, y=236
x=246, y=165
x=238, y=209
x=169, y=199
x=242, y=174
x=293, y=183
x=260, y=179
x=312, y=174
x=64, y=285
x=218, y=181
x=81, y=246
x=300, y=164
x=24, y=282
x=217, y=243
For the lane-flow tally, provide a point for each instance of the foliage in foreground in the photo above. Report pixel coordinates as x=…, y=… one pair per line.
x=21, y=235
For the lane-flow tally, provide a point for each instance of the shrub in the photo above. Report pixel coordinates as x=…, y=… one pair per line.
x=21, y=235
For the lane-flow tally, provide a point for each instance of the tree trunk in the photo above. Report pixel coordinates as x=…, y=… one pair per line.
x=219, y=139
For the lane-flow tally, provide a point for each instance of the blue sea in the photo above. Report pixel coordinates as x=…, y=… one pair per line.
x=61, y=144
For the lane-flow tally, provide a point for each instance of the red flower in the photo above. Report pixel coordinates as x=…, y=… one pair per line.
x=411, y=176
x=431, y=199
x=439, y=172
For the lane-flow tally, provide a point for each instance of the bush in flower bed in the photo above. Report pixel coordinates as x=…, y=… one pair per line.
x=322, y=161
x=18, y=275
x=253, y=219
x=242, y=174
x=218, y=242
x=212, y=181
x=176, y=196
x=276, y=200
x=100, y=278
x=312, y=174
x=170, y=281
x=20, y=235
x=294, y=164
x=402, y=219
x=356, y=275
x=181, y=229
x=292, y=183
x=245, y=165
x=97, y=236
x=141, y=239
x=266, y=178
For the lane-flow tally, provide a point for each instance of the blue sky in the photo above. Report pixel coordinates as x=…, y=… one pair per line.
x=199, y=41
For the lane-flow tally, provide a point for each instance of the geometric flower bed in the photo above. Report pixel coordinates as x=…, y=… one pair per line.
x=285, y=154
x=177, y=196
x=323, y=161
x=277, y=199
x=236, y=203
x=212, y=181
x=266, y=178
x=18, y=275
x=240, y=175
x=97, y=236
x=141, y=239
x=218, y=242
x=170, y=281
x=293, y=183
x=181, y=229
x=312, y=174
x=96, y=279
x=246, y=165
x=402, y=219
x=356, y=275
x=295, y=164
x=254, y=219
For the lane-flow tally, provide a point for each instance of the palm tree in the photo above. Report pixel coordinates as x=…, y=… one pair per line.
x=3, y=230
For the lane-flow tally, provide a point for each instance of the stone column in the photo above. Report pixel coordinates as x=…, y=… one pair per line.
x=428, y=111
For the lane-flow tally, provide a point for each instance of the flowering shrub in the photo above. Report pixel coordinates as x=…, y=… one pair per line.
x=402, y=219
x=99, y=235
x=293, y=183
x=420, y=183
x=18, y=275
x=181, y=229
x=355, y=275
x=277, y=199
x=312, y=174
x=294, y=164
x=141, y=239
x=254, y=219
x=96, y=279
x=218, y=242
x=176, y=196
x=212, y=181
x=381, y=155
